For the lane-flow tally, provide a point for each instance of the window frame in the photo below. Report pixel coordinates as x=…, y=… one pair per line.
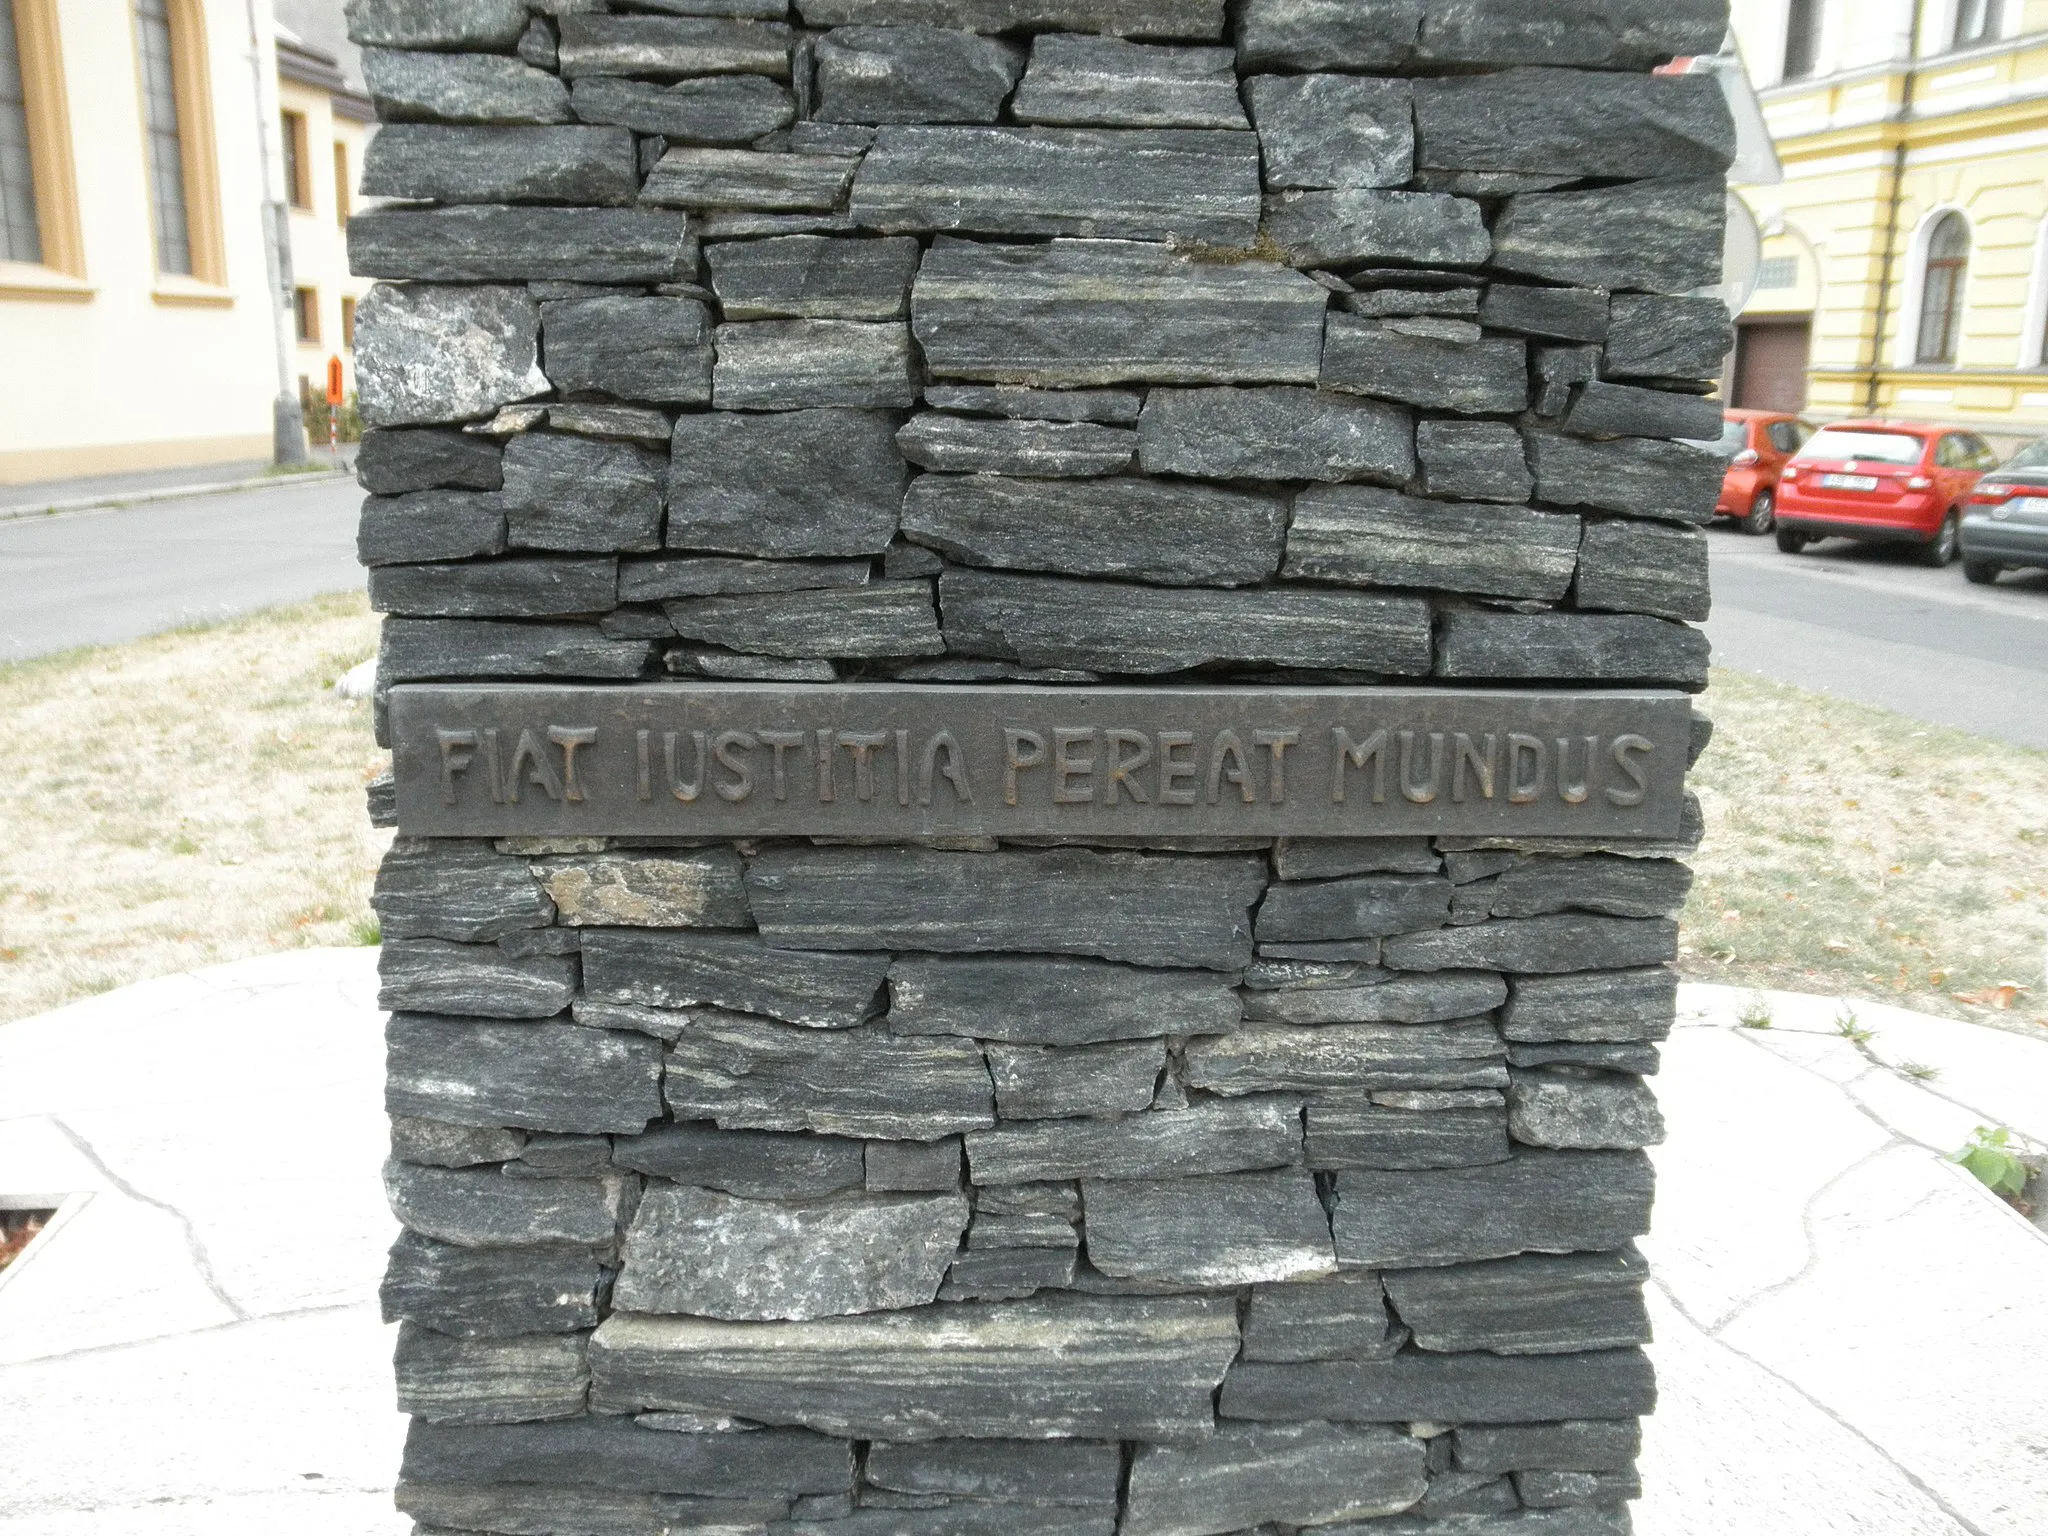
x=61, y=272
x=1809, y=39
x=1990, y=23
x=306, y=315
x=1955, y=274
x=348, y=323
x=191, y=83
x=344, y=185
x=298, y=174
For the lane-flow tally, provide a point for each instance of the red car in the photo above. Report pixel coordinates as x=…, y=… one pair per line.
x=1756, y=445
x=1883, y=482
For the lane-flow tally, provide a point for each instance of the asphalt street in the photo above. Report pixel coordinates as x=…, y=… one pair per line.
x=1867, y=623
x=89, y=578
x=1861, y=622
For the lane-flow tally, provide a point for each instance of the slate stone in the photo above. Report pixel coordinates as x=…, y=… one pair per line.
x=1587, y=647
x=913, y=74
x=1025, y=1230
x=1597, y=34
x=1262, y=1058
x=1540, y=945
x=886, y=618
x=711, y=1255
x=481, y=24
x=1622, y=1056
x=611, y=1453
x=1610, y=1005
x=1210, y=1136
x=483, y=1208
x=1115, y=627
x=935, y=440
x=959, y=1519
x=1077, y=1473
x=434, y=976
x=412, y=87
x=430, y=525
x=813, y=277
x=1653, y=336
x=444, y=889
x=1337, y=1317
x=1219, y=1230
x=663, y=47
x=1622, y=410
x=649, y=581
x=789, y=364
x=1325, y=858
x=1310, y=1474
x=1348, y=1130
x=1087, y=1367
x=1567, y=314
x=1195, y=19
x=1523, y=1522
x=1662, y=235
x=1642, y=477
x=1369, y=537
x=1078, y=313
x=1137, y=529
x=1461, y=303
x=1042, y=1000
x=1106, y=82
x=726, y=110
x=1367, y=906
x=1009, y=1274
x=1483, y=377
x=1549, y=1109
x=443, y=1507
x=791, y=483
x=1559, y=373
x=615, y=423
x=1473, y=460
x=592, y=167
x=1467, y=1493
x=750, y=1074
x=1339, y=131
x=1595, y=883
x=1352, y=225
x=415, y=650
x=815, y=138
x=1329, y=995
x=1591, y=1445
x=1642, y=567
x=1116, y=407
x=397, y=462
x=440, y=1145
x=1036, y=1082
x=492, y=242
x=700, y=889
x=688, y=177
x=1340, y=951
x=1139, y=908
x=755, y=1165
x=1274, y=434
x=577, y=493
x=563, y=1155
x=1608, y=1383
x=1537, y=1304
x=427, y=354
x=730, y=970
x=633, y=347
x=1559, y=1490
x=900, y=1166
x=490, y=1381
x=704, y=661
x=487, y=1293
x=1116, y=183
x=531, y=588
x=1538, y=1201
x=542, y=1077
x=1571, y=122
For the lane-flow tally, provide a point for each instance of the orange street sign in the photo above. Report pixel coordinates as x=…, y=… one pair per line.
x=334, y=395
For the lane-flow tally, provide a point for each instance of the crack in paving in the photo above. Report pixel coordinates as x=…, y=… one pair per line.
x=247, y=1321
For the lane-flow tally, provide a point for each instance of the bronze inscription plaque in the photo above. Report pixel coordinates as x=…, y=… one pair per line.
x=910, y=760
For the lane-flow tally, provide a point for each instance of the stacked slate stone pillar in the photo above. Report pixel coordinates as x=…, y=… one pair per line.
x=1064, y=1185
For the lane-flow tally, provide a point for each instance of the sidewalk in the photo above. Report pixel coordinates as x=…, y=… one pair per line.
x=1850, y=1334
x=77, y=495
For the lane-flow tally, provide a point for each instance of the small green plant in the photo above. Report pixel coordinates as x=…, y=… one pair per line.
x=366, y=930
x=1756, y=1012
x=1919, y=1071
x=1996, y=1167
x=1849, y=1029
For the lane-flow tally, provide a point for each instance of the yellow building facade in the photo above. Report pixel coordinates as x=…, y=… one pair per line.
x=324, y=125
x=1905, y=254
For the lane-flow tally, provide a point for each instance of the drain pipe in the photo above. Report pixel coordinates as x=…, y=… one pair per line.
x=287, y=420
x=1873, y=387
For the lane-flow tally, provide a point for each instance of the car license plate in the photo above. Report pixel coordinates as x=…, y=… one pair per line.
x=2029, y=504
x=1849, y=482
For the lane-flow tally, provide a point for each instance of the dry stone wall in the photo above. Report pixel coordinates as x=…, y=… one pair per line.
x=1054, y=1188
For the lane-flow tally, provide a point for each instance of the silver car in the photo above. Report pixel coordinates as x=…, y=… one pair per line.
x=2005, y=524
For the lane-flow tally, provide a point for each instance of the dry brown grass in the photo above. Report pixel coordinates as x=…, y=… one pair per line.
x=1856, y=851
x=187, y=799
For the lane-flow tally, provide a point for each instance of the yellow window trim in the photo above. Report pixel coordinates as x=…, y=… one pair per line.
x=62, y=269
x=191, y=76
x=177, y=290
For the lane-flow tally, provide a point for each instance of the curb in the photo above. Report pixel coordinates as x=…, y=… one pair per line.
x=172, y=493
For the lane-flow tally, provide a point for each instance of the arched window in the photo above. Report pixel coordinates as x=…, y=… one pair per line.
x=1941, y=293
x=1978, y=21
x=1802, y=37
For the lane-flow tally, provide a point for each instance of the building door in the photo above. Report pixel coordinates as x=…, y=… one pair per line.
x=1770, y=364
